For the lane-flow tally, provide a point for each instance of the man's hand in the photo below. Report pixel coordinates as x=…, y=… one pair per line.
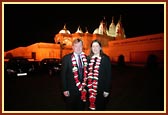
x=66, y=93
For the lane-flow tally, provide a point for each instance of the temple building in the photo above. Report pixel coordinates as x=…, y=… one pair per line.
x=113, y=39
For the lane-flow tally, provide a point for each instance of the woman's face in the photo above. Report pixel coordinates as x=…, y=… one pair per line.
x=96, y=48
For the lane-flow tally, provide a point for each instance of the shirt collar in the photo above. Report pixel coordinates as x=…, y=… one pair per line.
x=77, y=54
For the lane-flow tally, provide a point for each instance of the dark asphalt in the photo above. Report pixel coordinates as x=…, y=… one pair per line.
x=133, y=89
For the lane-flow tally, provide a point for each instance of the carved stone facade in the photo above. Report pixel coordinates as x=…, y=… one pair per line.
x=134, y=50
x=114, y=43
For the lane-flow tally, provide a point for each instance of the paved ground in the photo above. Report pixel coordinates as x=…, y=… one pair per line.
x=133, y=89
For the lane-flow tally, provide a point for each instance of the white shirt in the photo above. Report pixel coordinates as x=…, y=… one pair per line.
x=76, y=57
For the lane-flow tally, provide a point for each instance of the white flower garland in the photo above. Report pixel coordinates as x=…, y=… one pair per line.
x=81, y=86
x=93, y=80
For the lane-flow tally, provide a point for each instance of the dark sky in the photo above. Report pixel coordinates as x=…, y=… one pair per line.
x=26, y=24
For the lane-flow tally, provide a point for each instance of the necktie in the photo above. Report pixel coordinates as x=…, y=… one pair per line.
x=80, y=67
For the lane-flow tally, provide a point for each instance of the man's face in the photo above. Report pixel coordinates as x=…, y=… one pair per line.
x=77, y=47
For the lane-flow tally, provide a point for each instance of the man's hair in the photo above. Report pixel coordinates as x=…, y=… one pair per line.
x=77, y=40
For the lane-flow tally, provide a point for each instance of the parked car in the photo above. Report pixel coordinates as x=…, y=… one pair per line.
x=51, y=66
x=18, y=66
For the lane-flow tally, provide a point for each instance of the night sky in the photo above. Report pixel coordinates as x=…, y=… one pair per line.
x=26, y=24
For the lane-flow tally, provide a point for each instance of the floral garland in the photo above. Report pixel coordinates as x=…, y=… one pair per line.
x=93, y=80
x=81, y=86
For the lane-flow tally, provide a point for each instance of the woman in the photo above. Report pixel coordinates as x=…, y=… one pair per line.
x=99, y=77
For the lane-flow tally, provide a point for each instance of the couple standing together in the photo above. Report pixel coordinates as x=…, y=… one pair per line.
x=86, y=80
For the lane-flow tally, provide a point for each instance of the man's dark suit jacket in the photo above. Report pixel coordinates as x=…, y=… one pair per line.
x=67, y=76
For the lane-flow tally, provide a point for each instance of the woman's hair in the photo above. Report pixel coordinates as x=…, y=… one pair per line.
x=91, y=52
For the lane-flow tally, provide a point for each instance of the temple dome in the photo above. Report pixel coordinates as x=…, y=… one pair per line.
x=102, y=29
x=96, y=31
x=112, y=29
x=64, y=31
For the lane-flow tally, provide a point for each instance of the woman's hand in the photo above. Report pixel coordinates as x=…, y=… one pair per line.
x=105, y=94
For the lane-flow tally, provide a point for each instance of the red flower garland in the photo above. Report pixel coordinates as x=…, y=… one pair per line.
x=93, y=80
x=81, y=86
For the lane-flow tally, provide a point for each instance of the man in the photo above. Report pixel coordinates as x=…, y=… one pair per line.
x=73, y=75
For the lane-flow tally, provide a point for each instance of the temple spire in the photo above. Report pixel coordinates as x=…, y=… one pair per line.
x=64, y=27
